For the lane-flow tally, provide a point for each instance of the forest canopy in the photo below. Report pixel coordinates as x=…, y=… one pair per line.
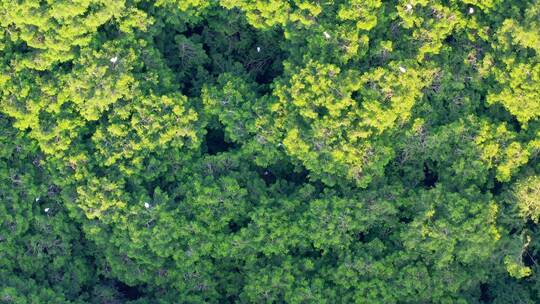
x=276, y=151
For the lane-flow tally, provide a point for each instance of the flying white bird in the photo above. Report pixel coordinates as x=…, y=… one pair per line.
x=114, y=59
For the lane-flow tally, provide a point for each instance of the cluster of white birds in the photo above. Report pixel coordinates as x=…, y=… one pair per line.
x=46, y=209
x=409, y=8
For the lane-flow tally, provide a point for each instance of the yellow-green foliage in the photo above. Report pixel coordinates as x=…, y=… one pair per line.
x=276, y=151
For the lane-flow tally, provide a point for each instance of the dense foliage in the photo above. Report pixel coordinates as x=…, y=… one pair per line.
x=276, y=151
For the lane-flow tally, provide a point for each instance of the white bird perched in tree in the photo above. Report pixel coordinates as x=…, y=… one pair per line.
x=408, y=7
x=326, y=35
x=258, y=49
x=402, y=69
x=114, y=59
x=471, y=10
x=146, y=205
x=37, y=199
x=47, y=210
